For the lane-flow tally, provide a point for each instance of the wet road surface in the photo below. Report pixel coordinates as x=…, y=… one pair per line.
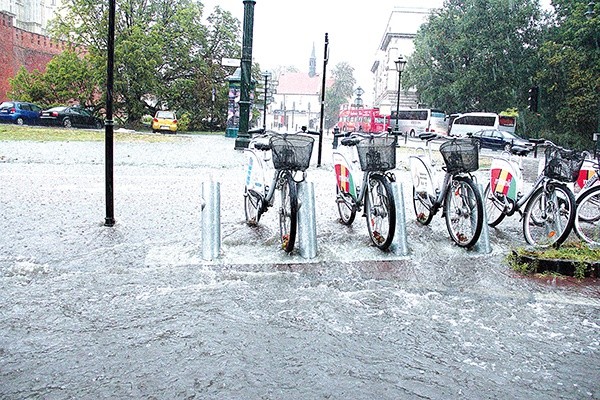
x=134, y=312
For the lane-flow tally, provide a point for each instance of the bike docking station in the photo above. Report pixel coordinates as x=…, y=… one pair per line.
x=210, y=220
x=307, y=220
x=399, y=245
x=483, y=244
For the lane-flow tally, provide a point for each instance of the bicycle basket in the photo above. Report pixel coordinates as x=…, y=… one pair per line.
x=291, y=152
x=460, y=155
x=562, y=165
x=377, y=154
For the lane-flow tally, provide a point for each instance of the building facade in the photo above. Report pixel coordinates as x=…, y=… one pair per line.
x=19, y=47
x=31, y=15
x=397, y=40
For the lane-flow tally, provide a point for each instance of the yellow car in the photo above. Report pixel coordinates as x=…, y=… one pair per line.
x=164, y=121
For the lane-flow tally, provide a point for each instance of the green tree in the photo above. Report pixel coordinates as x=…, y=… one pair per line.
x=476, y=55
x=69, y=77
x=338, y=93
x=569, y=76
x=164, y=54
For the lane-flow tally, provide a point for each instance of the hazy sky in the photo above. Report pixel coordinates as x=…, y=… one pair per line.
x=285, y=31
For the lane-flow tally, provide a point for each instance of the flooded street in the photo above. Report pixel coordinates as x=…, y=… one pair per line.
x=133, y=311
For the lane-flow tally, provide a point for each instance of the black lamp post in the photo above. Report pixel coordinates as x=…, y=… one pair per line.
x=265, y=75
x=243, y=138
x=400, y=64
x=109, y=124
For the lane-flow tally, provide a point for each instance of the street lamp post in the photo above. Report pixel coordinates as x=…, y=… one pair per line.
x=265, y=75
x=243, y=138
x=400, y=64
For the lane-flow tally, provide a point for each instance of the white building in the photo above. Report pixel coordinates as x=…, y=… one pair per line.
x=397, y=40
x=31, y=15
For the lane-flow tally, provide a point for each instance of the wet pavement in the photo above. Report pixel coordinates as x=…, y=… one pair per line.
x=133, y=311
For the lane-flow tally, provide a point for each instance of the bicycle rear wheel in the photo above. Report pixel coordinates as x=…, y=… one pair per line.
x=587, y=218
x=252, y=206
x=288, y=213
x=345, y=206
x=494, y=208
x=380, y=209
x=549, y=215
x=463, y=210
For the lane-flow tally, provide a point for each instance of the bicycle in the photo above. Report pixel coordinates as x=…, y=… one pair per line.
x=587, y=215
x=549, y=207
x=289, y=155
x=458, y=195
x=369, y=185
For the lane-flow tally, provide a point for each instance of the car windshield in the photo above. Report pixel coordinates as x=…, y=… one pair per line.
x=165, y=115
x=7, y=104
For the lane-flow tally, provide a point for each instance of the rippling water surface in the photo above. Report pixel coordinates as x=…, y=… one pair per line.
x=134, y=312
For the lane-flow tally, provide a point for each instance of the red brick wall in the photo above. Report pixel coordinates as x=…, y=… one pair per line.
x=19, y=47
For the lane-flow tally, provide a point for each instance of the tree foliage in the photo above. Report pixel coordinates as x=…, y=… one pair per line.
x=569, y=76
x=340, y=91
x=165, y=54
x=476, y=55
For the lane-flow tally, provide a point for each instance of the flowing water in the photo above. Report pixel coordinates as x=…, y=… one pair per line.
x=133, y=311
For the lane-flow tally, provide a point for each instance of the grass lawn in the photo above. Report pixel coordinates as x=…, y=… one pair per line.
x=47, y=134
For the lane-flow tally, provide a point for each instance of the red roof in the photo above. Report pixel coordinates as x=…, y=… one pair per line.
x=301, y=83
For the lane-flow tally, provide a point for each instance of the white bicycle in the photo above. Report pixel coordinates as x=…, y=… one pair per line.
x=286, y=156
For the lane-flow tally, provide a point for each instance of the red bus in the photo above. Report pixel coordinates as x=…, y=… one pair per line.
x=353, y=119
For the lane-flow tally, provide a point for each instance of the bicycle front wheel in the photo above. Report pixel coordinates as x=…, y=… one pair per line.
x=288, y=213
x=380, y=210
x=463, y=210
x=587, y=218
x=549, y=215
x=494, y=208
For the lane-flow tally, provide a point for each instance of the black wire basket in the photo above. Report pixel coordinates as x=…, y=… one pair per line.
x=562, y=165
x=291, y=152
x=377, y=154
x=460, y=155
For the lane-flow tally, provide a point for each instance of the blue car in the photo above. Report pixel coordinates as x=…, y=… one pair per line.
x=20, y=112
x=500, y=140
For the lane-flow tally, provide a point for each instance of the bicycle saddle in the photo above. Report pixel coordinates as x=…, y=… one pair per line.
x=262, y=146
x=350, y=141
x=427, y=136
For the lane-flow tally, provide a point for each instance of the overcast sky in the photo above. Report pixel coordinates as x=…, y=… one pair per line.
x=285, y=31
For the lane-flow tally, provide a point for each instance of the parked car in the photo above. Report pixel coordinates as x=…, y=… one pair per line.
x=20, y=112
x=73, y=116
x=164, y=121
x=500, y=140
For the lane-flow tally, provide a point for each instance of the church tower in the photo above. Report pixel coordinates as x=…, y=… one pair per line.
x=312, y=65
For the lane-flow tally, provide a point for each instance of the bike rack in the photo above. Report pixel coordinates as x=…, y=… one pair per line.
x=399, y=244
x=483, y=244
x=307, y=221
x=210, y=220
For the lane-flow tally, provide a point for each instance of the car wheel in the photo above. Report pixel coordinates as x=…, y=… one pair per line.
x=67, y=123
x=99, y=124
x=19, y=121
x=507, y=147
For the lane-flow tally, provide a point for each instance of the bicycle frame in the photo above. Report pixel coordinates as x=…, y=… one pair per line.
x=345, y=173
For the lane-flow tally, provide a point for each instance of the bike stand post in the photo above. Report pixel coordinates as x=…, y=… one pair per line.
x=483, y=244
x=399, y=244
x=210, y=220
x=307, y=220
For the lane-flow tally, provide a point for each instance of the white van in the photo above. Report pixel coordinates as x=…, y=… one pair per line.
x=474, y=122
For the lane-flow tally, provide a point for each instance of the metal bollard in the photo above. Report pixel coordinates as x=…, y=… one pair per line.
x=307, y=220
x=210, y=220
x=483, y=244
x=399, y=244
